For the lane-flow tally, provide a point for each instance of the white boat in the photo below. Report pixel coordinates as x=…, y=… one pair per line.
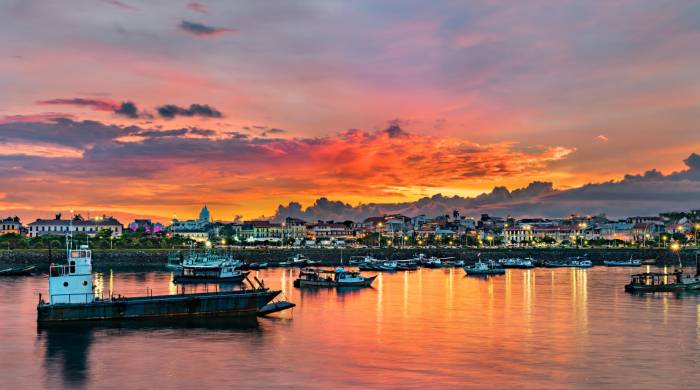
x=517, y=263
x=336, y=278
x=623, y=263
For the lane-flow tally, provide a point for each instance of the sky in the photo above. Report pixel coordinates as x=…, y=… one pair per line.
x=155, y=108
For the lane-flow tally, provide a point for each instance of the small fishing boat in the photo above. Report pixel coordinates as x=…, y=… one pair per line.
x=255, y=266
x=406, y=265
x=623, y=263
x=481, y=268
x=518, y=263
x=432, y=262
x=372, y=264
x=22, y=271
x=298, y=260
x=224, y=273
x=340, y=277
x=574, y=262
x=662, y=282
x=453, y=263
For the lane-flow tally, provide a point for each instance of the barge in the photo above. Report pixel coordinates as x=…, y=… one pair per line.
x=71, y=298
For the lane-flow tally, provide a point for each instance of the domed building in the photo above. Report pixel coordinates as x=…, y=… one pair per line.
x=204, y=217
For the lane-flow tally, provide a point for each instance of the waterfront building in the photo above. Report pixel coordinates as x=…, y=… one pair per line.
x=330, y=229
x=195, y=234
x=147, y=225
x=261, y=231
x=10, y=225
x=516, y=235
x=58, y=226
x=294, y=228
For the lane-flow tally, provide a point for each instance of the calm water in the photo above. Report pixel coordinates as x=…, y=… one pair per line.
x=543, y=328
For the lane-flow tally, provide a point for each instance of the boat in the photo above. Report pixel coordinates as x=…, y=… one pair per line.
x=662, y=282
x=72, y=297
x=453, y=263
x=255, y=266
x=623, y=263
x=573, y=262
x=526, y=263
x=222, y=273
x=23, y=271
x=431, y=262
x=480, y=268
x=371, y=264
x=298, y=260
x=340, y=277
x=284, y=264
x=175, y=261
x=406, y=265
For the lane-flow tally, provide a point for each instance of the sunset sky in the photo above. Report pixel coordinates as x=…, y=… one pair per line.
x=156, y=107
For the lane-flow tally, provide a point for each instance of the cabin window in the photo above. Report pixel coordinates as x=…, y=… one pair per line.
x=65, y=284
x=72, y=267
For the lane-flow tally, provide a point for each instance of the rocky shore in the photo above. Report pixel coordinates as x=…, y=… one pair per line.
x=153, y=259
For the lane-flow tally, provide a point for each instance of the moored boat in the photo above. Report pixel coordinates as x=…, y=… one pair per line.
x=662, y=282
x=222, y=273
x=574, y=262
x=518, y=263
x=623, y=263
x=482, y=268
x=71, y=297
x=340, y=277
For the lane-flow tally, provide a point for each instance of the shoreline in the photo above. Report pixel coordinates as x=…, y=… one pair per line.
x=149, y=258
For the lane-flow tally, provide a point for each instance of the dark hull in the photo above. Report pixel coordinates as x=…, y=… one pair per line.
x=18, y=271
x=230, y=304
x=674, y=287
x=518, y=266
x=196, y=279
x=485, y=272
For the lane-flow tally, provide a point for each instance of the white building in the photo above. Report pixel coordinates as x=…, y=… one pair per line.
x=58, y=226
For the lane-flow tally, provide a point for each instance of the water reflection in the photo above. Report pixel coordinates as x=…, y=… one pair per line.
x=67, y=346
x=541, y=328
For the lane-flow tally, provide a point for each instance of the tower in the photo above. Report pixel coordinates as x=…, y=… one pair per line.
x=204, y=217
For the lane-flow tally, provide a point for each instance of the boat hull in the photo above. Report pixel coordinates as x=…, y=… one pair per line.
x=673, y=287
x=181, y=279
x=27, y=271
x=616, y=264
x=229, y=303
x=485, y=272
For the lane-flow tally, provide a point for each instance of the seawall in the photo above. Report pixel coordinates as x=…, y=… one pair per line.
x=158, y=257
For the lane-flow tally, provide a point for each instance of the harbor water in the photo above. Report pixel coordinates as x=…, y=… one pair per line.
x=430, y=328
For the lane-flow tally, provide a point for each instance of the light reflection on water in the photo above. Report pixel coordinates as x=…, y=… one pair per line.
x=426, y=328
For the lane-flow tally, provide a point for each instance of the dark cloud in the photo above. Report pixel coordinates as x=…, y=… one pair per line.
x=395, y=131
x=127, y=109
x=203, y=30
x=95, y=104
x=273, y=131
x=170, y=111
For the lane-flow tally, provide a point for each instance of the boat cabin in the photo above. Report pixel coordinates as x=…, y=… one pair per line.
x=72, y=282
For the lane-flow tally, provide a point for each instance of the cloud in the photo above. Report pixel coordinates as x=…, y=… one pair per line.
x=602, y=138
x=127, y=108
x=170, y=111
x=197, y=7
x=646, y=194
x=95, y=104
x=43, y=117
x=203, y=30
x=131, y=165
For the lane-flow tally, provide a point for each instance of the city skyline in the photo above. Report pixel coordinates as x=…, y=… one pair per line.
x=153, y=109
